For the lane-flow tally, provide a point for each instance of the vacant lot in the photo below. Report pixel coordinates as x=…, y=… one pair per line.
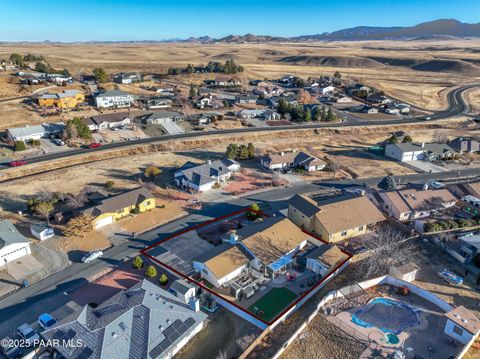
x=411, y=70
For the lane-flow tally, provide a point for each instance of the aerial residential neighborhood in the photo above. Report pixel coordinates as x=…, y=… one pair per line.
x=171, y=188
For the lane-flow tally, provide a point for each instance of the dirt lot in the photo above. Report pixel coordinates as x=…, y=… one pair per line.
x=248, y=180
x=473, y=98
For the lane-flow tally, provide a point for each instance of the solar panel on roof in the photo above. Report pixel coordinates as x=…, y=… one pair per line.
x=85, y=353
x=167, y=332
x=174, y=336
x=70, y=334
x=190, y=322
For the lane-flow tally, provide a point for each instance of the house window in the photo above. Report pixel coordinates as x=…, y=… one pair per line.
x=457, y=330
x=360, y=228
x=147, y=203
x=344, y=233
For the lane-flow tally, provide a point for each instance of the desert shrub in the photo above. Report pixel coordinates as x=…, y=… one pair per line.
x=20, y=146
x=163, y=279
x=137, y=262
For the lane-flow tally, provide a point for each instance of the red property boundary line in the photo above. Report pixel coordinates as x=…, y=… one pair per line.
x=145, y=250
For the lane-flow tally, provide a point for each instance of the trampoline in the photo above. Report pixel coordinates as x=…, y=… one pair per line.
x=388, y=315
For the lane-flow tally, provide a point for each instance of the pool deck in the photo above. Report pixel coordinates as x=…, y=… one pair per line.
x=426, y=339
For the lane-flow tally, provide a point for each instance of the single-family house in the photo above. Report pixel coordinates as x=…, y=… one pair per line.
x=114, y=99
x=323, y=259
x=359, y=89
x=411, y=204
x=370, y=109
x=223, y=263
x=13, y=244
x=378, y=100
x=292, y=160
x=344, y=99
x=42, y=231
x=462, y=325
x=405, y=152
x=64, y=99
x=246, y=99
x=334, y=220
x=202, y=177
x=159, y=118
x=119, y=206
x=159, y=102
x=142, y=322
x=207, y=101
x=465, y=145
x=36, y=132
x=326, y=90
x=111, y=120
x=127, y=78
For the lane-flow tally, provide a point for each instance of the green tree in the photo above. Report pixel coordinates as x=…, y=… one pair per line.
x=337, y=75
x=109, y=184
x=41, y=66
x=193, y=91
x=137, y=262
x=316, y=114
x=16, y=59
x=189, y=69
x=242, y=152
x=163, y=279
x=232, y=151
x=330, y=116
x=253, y=212
x=283, y=107
x=251, y=150
x=20, y=146
x=44, y=209
x=393, y=139
x=407, y=139
x=308, y=115
x=76, y=128
x=100, y=75
x=65, y=72
x=151, y=272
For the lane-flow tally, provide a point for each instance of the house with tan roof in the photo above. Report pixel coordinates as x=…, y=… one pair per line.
x=411, y=204
x=337, y=219
x=462, y=325
x=292, y=160
x=111, y=209
x=222, y=264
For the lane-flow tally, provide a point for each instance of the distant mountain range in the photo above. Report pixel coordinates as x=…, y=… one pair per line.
x=437, y=29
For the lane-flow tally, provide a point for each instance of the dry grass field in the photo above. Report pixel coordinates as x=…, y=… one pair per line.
x=417, y=72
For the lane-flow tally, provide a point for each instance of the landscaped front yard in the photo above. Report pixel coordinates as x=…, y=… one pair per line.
x=272, y=303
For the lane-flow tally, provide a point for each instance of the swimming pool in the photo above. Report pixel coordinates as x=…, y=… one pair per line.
x=388, y=315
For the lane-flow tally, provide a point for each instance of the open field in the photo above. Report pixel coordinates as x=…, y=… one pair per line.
x=415, y=71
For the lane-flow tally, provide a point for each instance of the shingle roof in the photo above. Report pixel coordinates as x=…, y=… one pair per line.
x=224, y=259
x=113, y=93
x=111, y=117
x=123, y=200
x=37, y=129
x=144, y=321
x=347, y=214
x=202, y=174
x=328, y=254
x=439, y=148
x=9, y=234
x=304, y=204
x=407, y=200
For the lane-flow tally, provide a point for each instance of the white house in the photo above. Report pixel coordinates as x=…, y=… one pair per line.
x=462, y=325
x=42, y=231
x=292, y=160
x=323, y=259
x=326, y=90
x=111, y=120
x=114, y=99
x=201, y=178
x=405, y=152
x=13, y=244
x=35, y=132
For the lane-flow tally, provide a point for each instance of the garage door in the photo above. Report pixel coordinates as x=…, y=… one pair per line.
x=11, y=256
x=103, y=222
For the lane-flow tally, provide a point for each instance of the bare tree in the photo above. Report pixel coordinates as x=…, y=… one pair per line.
x=44, y=209
x=79, y=225
x=439, y=137
x=334, y=165
x=245, y=341
x=389, y=248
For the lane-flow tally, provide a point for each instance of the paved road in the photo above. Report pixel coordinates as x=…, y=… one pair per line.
x=456, y=102
x=48, y=295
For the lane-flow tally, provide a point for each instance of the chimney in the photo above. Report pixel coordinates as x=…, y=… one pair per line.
x=425, y=186
x=209, y=162
x=423, y=144
x=194, y=304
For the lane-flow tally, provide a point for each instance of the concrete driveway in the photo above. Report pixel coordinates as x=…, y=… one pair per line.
x=428, y=167
x=49, y=147
x=23, y=267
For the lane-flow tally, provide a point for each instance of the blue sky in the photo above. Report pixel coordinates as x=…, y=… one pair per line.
x=85, y=20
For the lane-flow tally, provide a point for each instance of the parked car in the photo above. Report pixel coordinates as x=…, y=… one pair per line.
x=92, y=256
x=58, y=142
x=46, y=321
x=26, y=332
x=17, y=163
x=95, y=145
